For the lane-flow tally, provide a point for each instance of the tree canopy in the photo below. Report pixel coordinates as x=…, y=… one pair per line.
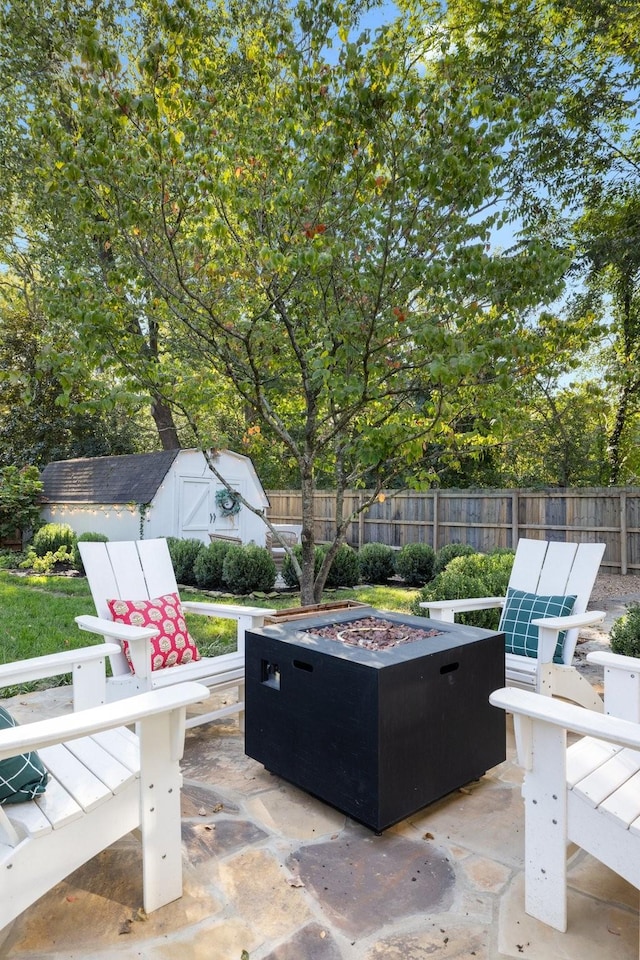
x=269, y=211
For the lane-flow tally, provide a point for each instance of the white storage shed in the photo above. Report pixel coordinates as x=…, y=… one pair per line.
x=171, y=493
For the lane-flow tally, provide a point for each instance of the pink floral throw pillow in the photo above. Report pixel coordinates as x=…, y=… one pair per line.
x=173, y=645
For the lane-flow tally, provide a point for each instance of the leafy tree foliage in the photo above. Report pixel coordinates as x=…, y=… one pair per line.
x=19, y=493
x=575, y=165
x=271, y=204
x=37, y=423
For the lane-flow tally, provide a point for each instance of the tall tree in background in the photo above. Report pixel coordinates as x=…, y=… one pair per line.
x=608, y=234
x=35, y=426
x=575, y=163
x=38, y=40
x=296, y=212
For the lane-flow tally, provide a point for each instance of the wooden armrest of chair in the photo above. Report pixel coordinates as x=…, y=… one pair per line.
x=53, y=665
x=226, y=611
x=559, y=624
x=621, y=683
x=86, y=666
x=550, y=627
x=569, y=716
x=446, y=610
x=45, y=733
x=119, y=631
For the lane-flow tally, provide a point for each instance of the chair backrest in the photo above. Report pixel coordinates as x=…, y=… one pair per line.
x=557, y=568
x=126, y=570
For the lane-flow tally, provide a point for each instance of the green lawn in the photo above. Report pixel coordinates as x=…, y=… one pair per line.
x=37, y=614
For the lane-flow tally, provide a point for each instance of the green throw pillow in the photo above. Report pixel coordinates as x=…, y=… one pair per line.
x=23, y=777
x=520, y=636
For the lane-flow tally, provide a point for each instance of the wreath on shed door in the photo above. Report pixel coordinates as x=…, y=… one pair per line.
x=228, y=502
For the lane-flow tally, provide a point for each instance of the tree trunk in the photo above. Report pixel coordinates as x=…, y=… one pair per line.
x=165, y=424
x=307, y=582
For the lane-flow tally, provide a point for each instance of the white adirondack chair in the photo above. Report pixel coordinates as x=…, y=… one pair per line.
x=587, y=793
x=104, y=781
x=142, y=570
x=546, y=568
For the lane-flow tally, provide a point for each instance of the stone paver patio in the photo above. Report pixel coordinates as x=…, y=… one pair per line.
x=272, y=874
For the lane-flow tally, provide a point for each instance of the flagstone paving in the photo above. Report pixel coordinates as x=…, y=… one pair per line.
x=270, y=873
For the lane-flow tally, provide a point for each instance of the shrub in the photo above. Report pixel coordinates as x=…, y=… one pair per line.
x=344, y=570
x=250, y=568
x=415, y=564
x=476, y=575
x=288, y=573
x=52, y=559
x=207, y=567
x=52, y=536
x=86, y=537
x=625, y=632
x=183, y=556
x=448, y=552
x=10, y=559
x=376, y=563
x=19, y=506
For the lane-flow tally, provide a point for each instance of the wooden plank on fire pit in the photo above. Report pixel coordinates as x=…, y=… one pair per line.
x=312, y=610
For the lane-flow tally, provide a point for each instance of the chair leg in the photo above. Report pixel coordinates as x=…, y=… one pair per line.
x=161, y=738
x=545, y=796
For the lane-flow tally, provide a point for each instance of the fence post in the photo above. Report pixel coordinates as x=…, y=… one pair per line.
x=514, y=519
x=623, y=533
x=436, y=508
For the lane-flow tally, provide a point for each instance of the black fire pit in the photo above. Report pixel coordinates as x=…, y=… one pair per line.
x=378, y=734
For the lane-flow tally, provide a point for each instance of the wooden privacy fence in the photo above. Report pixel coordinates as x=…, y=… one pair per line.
x=483, y=518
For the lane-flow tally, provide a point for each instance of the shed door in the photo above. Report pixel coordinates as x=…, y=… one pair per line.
x=195, y=509
x=234, y=525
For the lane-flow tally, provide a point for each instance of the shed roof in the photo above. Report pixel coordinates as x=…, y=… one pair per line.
x=131, y=478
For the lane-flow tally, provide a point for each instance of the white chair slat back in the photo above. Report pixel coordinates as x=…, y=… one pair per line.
x=100, y=575
x=157, y=568
x=584, y=572
x=555, y=571
x=127, y=571
x=527, y=565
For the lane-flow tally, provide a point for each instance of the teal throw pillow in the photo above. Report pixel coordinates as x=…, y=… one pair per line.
x=23, y=777
x=520, y=636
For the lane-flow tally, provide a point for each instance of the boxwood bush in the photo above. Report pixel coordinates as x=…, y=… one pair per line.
x=477, y=575
x=376, y=562
x=415, y=564
x=289, y=574
x=184, y=554
x=207, y=566
x=448, y=552
x=625, y=632
x=345, y=569
x=247, y=569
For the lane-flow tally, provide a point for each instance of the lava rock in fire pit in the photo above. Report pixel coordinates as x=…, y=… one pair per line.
x=372, y=633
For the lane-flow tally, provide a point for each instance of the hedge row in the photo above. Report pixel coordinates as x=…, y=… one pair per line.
x=454, y=571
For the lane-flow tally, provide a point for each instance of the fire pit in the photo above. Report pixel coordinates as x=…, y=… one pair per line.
x=376, y=727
